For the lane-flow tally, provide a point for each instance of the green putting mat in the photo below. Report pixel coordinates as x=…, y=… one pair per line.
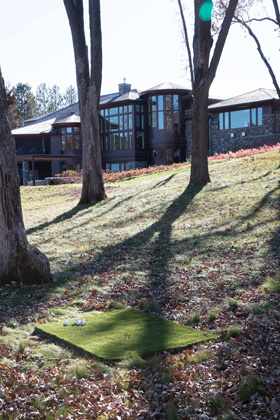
x=123, y=333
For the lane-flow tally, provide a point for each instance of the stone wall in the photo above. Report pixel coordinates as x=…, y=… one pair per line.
x=135, y=165
x=128, y=166
x=223, y=141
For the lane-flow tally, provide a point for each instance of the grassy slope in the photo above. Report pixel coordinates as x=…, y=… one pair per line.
x=154, y=244
x=230, y=222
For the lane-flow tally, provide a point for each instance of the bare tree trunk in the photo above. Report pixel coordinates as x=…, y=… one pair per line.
x=277, y=13
x=19, y=261
x=204, y=74
x=200, y=137
x=202, y=43
x=186, y=41
x=89, y=86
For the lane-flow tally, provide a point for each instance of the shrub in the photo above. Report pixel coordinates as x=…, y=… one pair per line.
x=233, y=332
x=73, y=177
x=201, y=357
x=195, y=319
x=232, y=304
x=212, y=316
x=245, y=152
x=147, y=306
x=272, y=285
x=171, y=411
x=250, y=387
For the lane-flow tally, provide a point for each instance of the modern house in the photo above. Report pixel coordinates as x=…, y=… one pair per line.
x=139, y=129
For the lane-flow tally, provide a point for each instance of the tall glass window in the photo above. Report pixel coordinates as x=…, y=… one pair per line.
x=164, y=112
x=116, y=126
x=241, y=118
x=70, y=138
x=260, y=114
x=221, y=121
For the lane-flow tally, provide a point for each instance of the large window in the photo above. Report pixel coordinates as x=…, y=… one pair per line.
x=70, y=138
x=116, y=125
x=240, y=119
x=164, y=112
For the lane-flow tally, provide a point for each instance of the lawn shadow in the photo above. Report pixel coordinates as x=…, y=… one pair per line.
x=275, y=241
x=64, y=216
x=151, y=247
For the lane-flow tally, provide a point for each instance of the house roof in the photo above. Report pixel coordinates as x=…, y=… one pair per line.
x=44, y=124
x=259, y=95
x=164, y=86
x=42, y=127
x=114, y=98
x=70, y=119
x=70, y=115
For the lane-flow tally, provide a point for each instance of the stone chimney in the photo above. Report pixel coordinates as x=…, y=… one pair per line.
x=124, y=87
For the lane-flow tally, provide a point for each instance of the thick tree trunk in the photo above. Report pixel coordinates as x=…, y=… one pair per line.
x=200, y=137
x=93, y=187
x=204, y=74
x=19, y=261
x=89, y=85
x=202, y=43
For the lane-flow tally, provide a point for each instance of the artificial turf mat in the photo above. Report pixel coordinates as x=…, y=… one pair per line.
x=123, y=333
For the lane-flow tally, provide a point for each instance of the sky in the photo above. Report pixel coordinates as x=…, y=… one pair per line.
x=142, y=42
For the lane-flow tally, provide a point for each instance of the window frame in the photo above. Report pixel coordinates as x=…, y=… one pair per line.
x=255, y=115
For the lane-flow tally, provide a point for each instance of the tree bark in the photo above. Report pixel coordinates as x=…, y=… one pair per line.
x=89, y=85
x=276, y=9
x=204, y=74
x=202, y=43
x=19, y=261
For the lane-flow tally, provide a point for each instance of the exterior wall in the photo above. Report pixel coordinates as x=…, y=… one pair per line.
x=188, y=134
x=55, y=145
x=128, y=165
x=55, y=167
x=136, y=165
x=222, y=141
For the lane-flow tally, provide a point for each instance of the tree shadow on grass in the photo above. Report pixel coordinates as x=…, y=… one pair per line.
x=64, y=216
x=275, y=241
x=151, y=247
x=70, y=214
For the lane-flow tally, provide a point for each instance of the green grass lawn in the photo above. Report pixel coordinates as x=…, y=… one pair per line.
x=124, y=333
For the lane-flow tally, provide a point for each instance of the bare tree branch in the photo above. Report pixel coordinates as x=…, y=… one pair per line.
x=261, y=20
x=266, y=62
x=186, y=41
x=221, y=41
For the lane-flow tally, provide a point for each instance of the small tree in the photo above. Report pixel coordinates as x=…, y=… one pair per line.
x=89, y=86
x=70, y=96
x=42, y=98
x=25, y=105
x=55, y=99
x=19, y=261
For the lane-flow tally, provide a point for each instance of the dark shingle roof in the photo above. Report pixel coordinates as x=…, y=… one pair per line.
x=164, y=86
x=44, y=124
x=259, y=95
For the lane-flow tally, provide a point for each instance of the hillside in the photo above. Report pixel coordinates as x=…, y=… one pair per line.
x=206, y=257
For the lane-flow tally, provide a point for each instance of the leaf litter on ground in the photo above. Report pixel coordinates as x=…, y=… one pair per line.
x=180, y=252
